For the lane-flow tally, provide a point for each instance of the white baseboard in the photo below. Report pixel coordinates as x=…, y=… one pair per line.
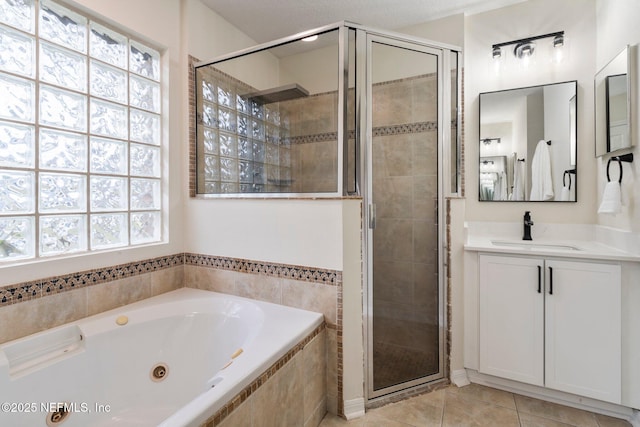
x=354, y=408
x=459, y=378
x=562, y=398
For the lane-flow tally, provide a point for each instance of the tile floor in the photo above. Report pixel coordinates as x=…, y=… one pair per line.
x=475, y=405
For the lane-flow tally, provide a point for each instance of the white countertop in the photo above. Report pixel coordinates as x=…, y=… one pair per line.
x=565, y=248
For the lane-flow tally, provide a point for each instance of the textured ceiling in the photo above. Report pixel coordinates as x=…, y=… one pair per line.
x=267, y=20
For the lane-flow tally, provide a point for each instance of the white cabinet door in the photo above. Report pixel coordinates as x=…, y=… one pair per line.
x=583, y=329
x=511, y=318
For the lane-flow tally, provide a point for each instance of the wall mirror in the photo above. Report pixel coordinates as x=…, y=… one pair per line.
x=528, y=144
x=613, y=104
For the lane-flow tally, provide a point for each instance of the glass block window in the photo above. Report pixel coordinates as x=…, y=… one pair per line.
x=80, y=119
x=246, y=145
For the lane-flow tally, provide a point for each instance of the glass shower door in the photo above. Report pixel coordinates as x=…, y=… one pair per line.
x=404, y=291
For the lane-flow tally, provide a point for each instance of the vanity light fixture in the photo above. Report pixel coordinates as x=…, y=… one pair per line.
x=559, y=48
x=524, y=49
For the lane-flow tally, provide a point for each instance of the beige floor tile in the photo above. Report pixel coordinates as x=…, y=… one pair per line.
x=528, y=420
x=485, y=394
x=424, y=410
x=565, y=414
x=464, y=412
x=605, y=421
x=331, y=420
x=374, y=421
x=475, y=406
x=435, y=398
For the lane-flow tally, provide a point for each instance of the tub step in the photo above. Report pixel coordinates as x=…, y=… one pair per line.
x=44, y=349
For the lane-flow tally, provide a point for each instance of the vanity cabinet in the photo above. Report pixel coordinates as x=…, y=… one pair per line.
x=552, y=323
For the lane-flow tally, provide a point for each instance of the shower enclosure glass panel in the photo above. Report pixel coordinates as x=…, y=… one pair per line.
x=405, y=346
x=267, y=121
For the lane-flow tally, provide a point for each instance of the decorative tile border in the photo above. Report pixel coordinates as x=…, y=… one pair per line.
x=26, y=291
x=405, y=128
x=192, y=126
x=339, y=355
x=377, y=131
x=400, y=129
x=235, y=402
x=318, y=137
x=306, y=274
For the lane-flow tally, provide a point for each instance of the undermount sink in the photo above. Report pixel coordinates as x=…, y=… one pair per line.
x=526, y=244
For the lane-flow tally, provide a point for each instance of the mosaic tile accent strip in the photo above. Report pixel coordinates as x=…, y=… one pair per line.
x=241, y=397
x=26, y=291
x=306, y=274
x=377, y=131
x=192, y=126
x=319, y=137
x=405, y=128
x=462, y=136
x=340, y=357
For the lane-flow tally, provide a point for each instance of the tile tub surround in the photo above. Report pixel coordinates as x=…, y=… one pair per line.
x=301, y=287
x=37, y=305
x=34, y=306
x=291, y=392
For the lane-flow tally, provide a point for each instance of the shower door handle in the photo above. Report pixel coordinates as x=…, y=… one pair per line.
x=372, y=216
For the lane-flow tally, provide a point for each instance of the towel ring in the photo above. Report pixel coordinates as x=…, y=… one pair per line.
x=609, y=164
x=564, y=176
x=623, y=158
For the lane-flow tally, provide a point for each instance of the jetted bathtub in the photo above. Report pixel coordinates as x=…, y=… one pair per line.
x=171, y=360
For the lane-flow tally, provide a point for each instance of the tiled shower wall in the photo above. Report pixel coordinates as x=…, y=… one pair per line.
x=314, y=142
x=405, y=190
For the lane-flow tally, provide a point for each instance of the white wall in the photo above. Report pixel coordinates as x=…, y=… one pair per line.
x=617, y=26
x=158, y=23
x=299, y=232
x=534, y=17
x=448, y=30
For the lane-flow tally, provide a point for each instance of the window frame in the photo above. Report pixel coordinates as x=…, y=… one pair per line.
x=155, y=114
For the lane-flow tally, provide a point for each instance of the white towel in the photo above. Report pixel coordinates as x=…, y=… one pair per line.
x=565, y=194
x=500, y=187
x=541, y=183
x=503, y=186
x=611, y=198
x=518, y=180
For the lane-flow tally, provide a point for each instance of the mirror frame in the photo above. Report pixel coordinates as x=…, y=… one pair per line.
x=623, y=61
x=571, y=139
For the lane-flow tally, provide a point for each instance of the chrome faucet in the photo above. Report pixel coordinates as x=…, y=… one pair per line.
x=527, y=226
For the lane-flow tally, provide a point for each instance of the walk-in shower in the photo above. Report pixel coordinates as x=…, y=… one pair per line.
x=357, y=112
